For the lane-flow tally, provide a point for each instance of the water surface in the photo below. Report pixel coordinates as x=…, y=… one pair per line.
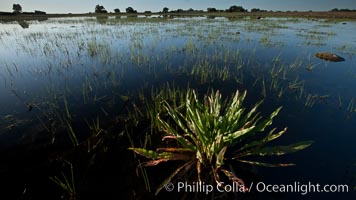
x=90, y=62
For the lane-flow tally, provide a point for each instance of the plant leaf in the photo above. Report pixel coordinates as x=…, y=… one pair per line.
x=175, y=150
x=278, y=150
x=172, y=132
x=168, y=180
x=234, y=178
x=267, y=122
x=154, y=155
x=151, y=154
x=237, y=134
x=153, y=162
x=220, y=157
x=271, y=136
x=266, y=164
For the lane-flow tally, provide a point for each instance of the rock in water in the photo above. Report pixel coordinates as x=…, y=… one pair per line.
x=329, y=57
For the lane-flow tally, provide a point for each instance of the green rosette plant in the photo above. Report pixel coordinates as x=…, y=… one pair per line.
x=205, y=130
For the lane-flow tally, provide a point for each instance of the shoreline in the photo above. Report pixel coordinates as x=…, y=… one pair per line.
x=327, y=15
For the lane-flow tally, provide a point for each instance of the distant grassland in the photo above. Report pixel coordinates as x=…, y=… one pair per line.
x=335, y=15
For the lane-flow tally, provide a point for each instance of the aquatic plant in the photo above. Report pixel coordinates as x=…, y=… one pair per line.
x=206, y=130
x=67, y=184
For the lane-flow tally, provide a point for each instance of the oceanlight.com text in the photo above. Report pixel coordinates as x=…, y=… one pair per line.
x=303, y=189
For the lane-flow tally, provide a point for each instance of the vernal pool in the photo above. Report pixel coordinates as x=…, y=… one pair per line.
x=84, y=69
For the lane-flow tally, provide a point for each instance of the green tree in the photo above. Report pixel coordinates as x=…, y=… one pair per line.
x=17, y=8
x=236, y=9
x=116, y=10
x=211, y=9
x=165, y=10
x=130, y=10
x=100, y=9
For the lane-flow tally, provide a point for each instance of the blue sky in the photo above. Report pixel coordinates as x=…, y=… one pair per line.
x=82, y=6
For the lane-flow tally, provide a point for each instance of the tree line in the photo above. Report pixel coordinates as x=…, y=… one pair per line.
x=17, y=8
x=234, y=8
x=342, y=10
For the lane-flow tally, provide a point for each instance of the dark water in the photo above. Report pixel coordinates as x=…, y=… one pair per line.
x=90, y=62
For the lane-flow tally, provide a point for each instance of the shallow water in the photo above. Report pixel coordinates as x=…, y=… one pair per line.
x=271, y=58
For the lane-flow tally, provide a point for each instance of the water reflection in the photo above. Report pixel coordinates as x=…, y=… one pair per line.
x=102, y=19
x=210, y=17
x=23, y=24
x=84, y=70
x=132, y=16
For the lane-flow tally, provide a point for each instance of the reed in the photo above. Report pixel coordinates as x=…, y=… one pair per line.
x=67, y=183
